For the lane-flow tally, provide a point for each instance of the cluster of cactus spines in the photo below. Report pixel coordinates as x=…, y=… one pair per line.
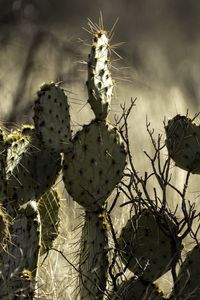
x=135, y=289
x=48, y=206
x=93, y=262
x=145, y=247
x=183, y=143
x=52, y=118
x=95, y=166
x=100, y=83
x=188, y=276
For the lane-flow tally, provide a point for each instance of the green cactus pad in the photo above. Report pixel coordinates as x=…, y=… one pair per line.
x=24, y=253
x=183, y=143
x=100, y=83
x=52, y=119
x=93, y=257
x=48, y=206
x=133, y=289
x=95, y=166
x=30, y=170
x=145, y=248
x=189, y=276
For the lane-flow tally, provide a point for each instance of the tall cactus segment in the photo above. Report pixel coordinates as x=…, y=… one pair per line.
x=100, y=83
x=18, y=264
x=93, y=257
x=145, y=247
x=189, y=276
x=52, y=118
x=183, y=143
x=92, y=170
x=95, y=165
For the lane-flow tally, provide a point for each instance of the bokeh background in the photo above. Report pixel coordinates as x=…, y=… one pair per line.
x=44, y=40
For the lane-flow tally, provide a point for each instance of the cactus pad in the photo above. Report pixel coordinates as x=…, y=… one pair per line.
x=52, y=119
x=24, y=248
x=145, y=248
x=133, y=289
x=189, y=276
x=99, y=84
x=183, y=143
x=48, y=206
x=95, y=166
x=93, y=257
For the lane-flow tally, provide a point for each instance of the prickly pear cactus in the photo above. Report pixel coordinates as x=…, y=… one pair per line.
x=100, y=83
x=93, y=257
x=27, y=171
x=48, y=206
x=189, y=277
x=95, y=165
x=19, y=263
x=182, y=141
x=134, y=289
x=145, y=248
x=52, y=118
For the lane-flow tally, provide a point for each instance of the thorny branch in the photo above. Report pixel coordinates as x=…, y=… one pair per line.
x=153, y=189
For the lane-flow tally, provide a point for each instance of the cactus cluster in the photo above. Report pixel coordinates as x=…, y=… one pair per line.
x=28, y=171
x=92, y=162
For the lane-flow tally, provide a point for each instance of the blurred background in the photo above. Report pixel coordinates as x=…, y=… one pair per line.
x=40, y=42
x=44, y=40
